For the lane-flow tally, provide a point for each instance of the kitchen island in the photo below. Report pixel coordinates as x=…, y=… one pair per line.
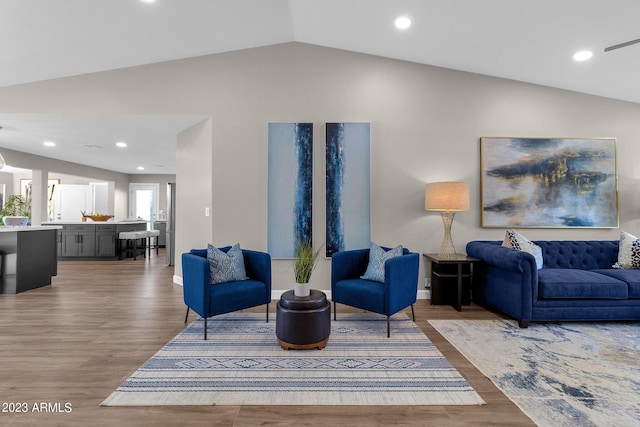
x=92, y=240
x=28, y=256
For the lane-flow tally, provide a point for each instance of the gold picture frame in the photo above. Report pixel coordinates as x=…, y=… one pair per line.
x=548, y=182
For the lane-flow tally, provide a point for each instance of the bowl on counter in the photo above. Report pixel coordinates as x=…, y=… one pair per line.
x=99, y=218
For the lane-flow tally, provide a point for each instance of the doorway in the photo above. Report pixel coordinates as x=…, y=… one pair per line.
x=143, y=202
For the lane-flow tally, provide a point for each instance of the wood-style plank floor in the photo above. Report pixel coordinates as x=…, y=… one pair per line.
x=64, y=348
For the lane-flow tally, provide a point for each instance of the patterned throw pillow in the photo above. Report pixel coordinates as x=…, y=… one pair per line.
x=515, y=240
x=628, y=252
x=226, y=267
x=377, y=257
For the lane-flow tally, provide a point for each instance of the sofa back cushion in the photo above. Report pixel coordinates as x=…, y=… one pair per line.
x=580, y=254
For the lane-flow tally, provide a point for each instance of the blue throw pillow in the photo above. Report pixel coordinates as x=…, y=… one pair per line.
x=226, y=267
x=377, y=258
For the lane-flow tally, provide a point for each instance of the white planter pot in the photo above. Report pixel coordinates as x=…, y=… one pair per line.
x=15, y=220
x=302, y=289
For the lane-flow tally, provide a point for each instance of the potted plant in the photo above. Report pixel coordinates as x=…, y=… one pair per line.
x=305, y=261
x=15, y=211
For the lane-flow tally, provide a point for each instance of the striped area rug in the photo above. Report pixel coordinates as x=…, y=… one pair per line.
x=242, y=364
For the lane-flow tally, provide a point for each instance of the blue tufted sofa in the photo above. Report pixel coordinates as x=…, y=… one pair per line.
x=577, y=282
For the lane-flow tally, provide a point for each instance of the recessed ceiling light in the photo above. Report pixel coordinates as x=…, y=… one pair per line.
x=49, y=143
x=148, y=1
x=140, y=168
x=583, y=55
x=121, y=144
x=403, y=22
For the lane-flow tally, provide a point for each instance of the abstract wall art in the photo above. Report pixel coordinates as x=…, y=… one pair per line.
x=290, y=183
x=549, y=182
x=348, y=205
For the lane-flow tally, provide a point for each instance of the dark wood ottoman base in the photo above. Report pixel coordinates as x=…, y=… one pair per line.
x=303, y=322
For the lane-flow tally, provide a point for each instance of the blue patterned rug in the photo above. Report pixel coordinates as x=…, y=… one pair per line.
x=568, y=374
x=242, y=364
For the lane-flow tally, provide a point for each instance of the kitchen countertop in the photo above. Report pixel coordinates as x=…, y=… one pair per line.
x=124, y=221
x=8, y=228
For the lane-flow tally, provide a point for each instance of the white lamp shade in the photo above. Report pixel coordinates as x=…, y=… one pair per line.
x=447, y=197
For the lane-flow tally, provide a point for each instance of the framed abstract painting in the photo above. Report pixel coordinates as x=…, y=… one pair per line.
x=548, y=182
x=348, y=204
x=290, y=192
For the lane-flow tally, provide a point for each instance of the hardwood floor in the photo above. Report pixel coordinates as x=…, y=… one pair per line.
x=64, y=348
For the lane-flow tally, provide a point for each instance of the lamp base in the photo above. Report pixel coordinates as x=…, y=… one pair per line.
x=447, y=250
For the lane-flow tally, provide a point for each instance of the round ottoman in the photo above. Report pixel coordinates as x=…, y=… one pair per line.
x=303, y=322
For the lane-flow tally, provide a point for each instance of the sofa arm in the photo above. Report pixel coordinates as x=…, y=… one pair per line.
x=493, y=253
x=401, y=273
x=196, y=277
x=258, y=267
x=506, y=278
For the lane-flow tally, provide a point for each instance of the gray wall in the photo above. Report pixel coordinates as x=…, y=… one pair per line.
x=425, y=126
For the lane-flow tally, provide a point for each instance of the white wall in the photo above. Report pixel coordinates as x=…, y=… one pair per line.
x=425, y=126
x=69, y=173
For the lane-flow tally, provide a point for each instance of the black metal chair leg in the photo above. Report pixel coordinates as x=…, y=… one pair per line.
x=413, y=313
x=187, y=315
x=334, y=310
x=388, y=328
x=267, y=312
x=205, y=328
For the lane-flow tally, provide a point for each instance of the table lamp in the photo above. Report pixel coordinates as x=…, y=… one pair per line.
x=447, y=198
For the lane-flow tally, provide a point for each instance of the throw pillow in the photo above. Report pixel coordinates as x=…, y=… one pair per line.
x=377, y=258
x=628, y=252
x=515, y=240
x=226, y=267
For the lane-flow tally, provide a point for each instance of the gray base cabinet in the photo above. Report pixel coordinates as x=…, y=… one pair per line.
x=78, y=241
x=161, y=226
x=106, y=240
x=92, y=240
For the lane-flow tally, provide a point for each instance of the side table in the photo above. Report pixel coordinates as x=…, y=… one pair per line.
x=447, y=273
x=303, y=322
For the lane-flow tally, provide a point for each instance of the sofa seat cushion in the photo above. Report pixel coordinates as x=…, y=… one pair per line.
x=579, y=284
x=231, y=296
x=361, y=293
x=630, y=277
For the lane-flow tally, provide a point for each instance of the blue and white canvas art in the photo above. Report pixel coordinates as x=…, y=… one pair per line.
x=348, y=201
x=290, y=187
x=544, y=182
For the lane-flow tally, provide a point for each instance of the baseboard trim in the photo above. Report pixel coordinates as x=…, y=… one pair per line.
x=276, y=294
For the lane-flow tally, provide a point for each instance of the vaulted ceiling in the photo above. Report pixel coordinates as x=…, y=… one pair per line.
x=530, y=41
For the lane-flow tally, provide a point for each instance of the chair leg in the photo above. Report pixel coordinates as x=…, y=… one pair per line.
x=267, y=312
x=334, y=310
x=388, y=328
x=187, y=315
x=413, y=313
x=205, y=328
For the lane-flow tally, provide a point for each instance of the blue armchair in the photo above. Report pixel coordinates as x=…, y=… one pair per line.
x=396, y=293
x=210, y=300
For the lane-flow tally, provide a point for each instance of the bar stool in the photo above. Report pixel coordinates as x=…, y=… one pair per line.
x=131, y=243
x=153, y=234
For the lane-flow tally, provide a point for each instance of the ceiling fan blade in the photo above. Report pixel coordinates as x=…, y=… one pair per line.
x=618, y=46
